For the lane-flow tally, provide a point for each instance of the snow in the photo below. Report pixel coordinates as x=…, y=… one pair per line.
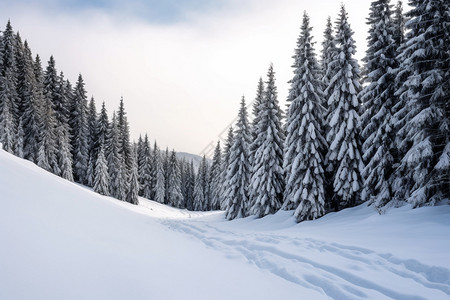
x=60, y=240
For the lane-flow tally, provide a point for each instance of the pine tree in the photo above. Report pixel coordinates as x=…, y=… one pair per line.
x=398, y=22
x=101, y=130
x=133, y=185
x=343, y=156
x=8, y=89
x=225, y=164
x=175, y=197
x=145, y=169
x=216, y=179
x=51, y=91
x=47, y=153
x=154, y=168
x=101, y=178
x=124, y=134
x=31, y=110
x=63, y=153
x=328, y=51
x=79, y=132
x=19, y=139
x=238, y=173
x=160, y=187
x=423, y=120
x=165, y=159
x=91, y=120
x=305, y=144
x=266, y=184
x=115, y=163
x=255, y=130
x=199, y=198
x=19, y=57
x=378, y=99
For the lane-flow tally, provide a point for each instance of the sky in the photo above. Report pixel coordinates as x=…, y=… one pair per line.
x=180, y=66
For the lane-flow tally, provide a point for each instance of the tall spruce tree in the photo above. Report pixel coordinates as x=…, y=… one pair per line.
x=305, y=144
x=133, y=183
x=101, y=129
x=154, y=174
x=101, y=178
x=64, y=155
x=47, y=152
x=225, y=164
x=266, y=184
x=160, y=187
x=115, y=162
x=328, y=51
x=216, y=179
x=145, y=169
x=175, y=197
x=343, y=156
x=199, y=195
x=238, y=172
x=79, y=132
x=91, y=120
x=378, y=100
x=424, y=171
x=255, y=129
x=8, y=89
x=124, y=134
x=31, y=108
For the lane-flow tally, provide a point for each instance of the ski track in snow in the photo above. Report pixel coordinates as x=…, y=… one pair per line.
x=303, y=261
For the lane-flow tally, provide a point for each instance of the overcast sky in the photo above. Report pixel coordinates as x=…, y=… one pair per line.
x=181, y=66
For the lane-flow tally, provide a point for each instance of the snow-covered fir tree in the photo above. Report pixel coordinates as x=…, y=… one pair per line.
x=91, y=119
x=343, y=158
x=238, y=172
x=8, y=89
x=305, y=144
x=115, y=163
x=63, y=153
x=216, y=178
x=175, y=197
x=199, y=197
x=206, y=181
x=101, y=178
x=154, y=174
x=225, y=163
x=145, y=169
x=31, y=106
x=133, y=184
x=378, y=99
x=328, y=51
x=398, y=22
x=102, y=127
x=266, y=183
x=51, y=91
x=124, y=135
x=160, y=187
x=79, y=132
x=165, y=159
x=255, y=129
x=47, y=152
x=19, y=139
x=424, y=172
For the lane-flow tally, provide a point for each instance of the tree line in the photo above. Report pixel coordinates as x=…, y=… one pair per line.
x=347, y=136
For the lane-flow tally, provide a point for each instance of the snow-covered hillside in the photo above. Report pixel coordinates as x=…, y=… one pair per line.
x=60, y=240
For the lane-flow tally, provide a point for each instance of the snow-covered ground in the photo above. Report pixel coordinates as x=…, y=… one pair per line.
x=59, y=240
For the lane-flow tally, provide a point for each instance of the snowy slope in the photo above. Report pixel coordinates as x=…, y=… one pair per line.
x=62, y=241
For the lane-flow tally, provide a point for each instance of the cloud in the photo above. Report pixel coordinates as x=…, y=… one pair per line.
x=181, y=80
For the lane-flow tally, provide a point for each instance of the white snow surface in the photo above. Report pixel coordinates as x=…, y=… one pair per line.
x=59, y=240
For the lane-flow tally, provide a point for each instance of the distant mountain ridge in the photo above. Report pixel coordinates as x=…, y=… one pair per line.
x=194, y=157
